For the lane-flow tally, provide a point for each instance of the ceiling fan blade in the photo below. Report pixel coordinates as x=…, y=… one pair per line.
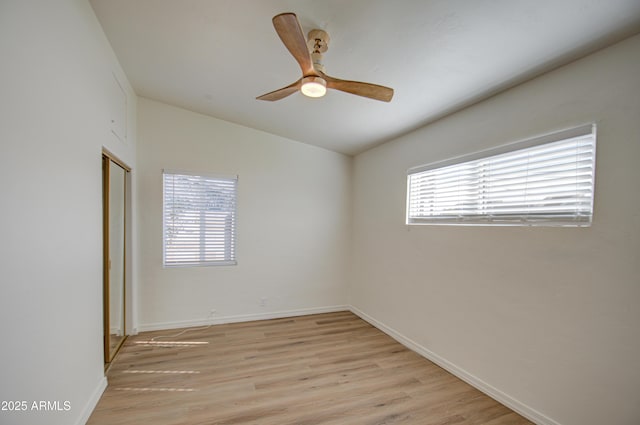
x=281, y=93
x=290, y=32
x=372, y=91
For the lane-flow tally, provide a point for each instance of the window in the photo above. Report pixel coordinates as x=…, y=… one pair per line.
x=547, y=181
x=199, y=219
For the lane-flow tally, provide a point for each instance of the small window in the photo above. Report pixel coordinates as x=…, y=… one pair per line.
x=547, y=181
x=199, y=219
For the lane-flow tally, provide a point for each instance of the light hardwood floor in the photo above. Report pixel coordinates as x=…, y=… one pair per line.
x=322, y=369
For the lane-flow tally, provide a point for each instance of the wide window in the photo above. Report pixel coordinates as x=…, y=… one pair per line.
x=546, y=181
x=199, y=219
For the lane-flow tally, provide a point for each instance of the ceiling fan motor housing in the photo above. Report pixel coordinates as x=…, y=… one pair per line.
x=318, y=43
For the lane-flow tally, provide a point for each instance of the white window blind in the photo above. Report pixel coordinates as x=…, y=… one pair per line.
x=546, y=181
x=199, y=219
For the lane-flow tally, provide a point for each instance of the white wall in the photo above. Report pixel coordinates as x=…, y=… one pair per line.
x=55, y=109
x=548, y=316
x=293, y=222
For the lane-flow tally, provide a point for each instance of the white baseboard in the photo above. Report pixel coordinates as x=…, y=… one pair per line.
x=519, y=407
x=240, y=318
x=93, y=402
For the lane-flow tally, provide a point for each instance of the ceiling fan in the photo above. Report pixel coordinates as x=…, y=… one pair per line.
x=308, y=54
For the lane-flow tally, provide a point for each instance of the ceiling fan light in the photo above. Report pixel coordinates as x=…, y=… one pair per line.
x=313, y=87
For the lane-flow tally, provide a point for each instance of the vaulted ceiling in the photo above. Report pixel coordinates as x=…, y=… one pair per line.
x=215, y=57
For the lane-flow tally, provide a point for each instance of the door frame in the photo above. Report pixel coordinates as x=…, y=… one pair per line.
x=107, y=159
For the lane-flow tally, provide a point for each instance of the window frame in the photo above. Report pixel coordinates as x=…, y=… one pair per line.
x=526, y=218
x=229, y=257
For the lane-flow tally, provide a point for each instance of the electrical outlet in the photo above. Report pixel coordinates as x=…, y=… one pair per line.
x=213, y=312
x=263, y=301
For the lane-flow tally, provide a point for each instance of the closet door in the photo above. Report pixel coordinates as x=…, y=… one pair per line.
x=114, y=223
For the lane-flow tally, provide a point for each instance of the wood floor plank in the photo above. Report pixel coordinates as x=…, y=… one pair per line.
x=329, y=369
